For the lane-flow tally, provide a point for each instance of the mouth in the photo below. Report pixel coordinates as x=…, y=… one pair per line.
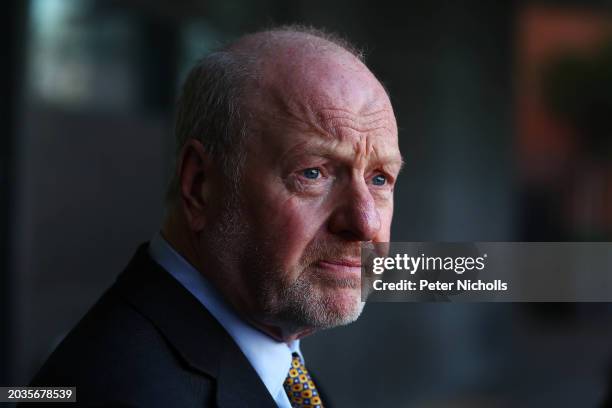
x=347, y=262
x=345, y=268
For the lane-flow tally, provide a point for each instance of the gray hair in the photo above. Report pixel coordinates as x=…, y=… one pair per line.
x=210, y=106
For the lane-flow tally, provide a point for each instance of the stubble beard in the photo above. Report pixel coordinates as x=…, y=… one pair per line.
x=308, y=302
x=312, y=300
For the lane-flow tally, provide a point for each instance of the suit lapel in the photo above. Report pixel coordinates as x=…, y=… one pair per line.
x=194, y=333
x=326, y=402
x=235, y=386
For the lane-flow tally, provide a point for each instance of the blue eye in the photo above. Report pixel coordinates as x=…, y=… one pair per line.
x=311, y=173
x=379, y=180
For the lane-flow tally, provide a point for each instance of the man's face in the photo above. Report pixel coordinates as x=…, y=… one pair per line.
x=321, y=163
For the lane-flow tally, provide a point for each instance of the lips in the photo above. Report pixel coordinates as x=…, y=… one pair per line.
x=351, y=263
x=334, y=269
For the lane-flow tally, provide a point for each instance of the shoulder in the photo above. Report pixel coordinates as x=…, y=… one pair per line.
x=117, y=354
x=149, y=342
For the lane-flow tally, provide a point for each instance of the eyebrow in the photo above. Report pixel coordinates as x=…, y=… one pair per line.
x=401, y=162
x=323, y=151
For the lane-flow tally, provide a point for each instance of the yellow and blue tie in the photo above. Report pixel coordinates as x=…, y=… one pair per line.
x=299, y=386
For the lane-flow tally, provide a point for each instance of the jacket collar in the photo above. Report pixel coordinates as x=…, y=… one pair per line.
x=192, y=331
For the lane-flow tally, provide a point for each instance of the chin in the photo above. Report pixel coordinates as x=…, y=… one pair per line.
x=319, y=305
x=341, y=307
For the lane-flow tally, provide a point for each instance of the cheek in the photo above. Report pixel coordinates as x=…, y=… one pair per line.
x=386, y=216
x=290, y=225
x=298, y=223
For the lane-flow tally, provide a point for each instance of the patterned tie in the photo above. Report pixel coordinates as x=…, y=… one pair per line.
x=299, y=386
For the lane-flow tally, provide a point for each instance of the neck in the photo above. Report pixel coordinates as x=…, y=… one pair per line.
x=174, y=231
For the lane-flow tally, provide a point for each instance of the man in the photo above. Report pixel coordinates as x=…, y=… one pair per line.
x=287, y=157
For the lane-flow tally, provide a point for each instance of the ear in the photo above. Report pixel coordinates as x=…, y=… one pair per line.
x=194, y=177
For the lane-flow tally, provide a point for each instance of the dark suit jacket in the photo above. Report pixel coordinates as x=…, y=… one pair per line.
x=149, y=343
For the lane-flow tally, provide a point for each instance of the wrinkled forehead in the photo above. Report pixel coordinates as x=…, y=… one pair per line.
x=323, y=91
x=330, y=105
x=300, y=81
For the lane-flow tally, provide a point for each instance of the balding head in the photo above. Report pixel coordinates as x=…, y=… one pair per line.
x=283, y=65
x=287, y=163
x=306, y=74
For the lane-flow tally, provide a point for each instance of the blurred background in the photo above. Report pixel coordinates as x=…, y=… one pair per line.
x=505, y=116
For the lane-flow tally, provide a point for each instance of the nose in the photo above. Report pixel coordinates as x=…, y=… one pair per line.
x=356, y=218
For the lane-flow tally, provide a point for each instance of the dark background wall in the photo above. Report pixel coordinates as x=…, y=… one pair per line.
x=88, y=154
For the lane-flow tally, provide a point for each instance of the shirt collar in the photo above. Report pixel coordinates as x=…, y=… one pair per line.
x=271, y=359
